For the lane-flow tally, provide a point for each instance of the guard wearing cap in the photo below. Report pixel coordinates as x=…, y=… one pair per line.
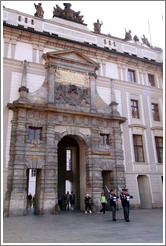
x=125, y=197
x=112, y=197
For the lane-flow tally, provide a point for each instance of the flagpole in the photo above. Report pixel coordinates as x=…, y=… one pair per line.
x=150, y=33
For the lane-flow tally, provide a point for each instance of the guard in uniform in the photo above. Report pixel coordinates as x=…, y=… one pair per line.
x=125, y=197
x=112, y=197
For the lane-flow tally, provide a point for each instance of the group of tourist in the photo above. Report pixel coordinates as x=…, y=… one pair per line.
x=67, y=201
x=124, y=197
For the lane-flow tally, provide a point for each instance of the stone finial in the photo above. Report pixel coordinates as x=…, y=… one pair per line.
x=97, y=27
x=24, y=74
x=39, y=10
x=113, y=103
x=23, y=90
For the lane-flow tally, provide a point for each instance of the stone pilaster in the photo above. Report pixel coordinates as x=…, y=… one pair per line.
x=6, y=46
x=41, y=48
x=13, y=48
x=118, y=179
x=18, y=196
x=119, y=72
x=50, y=180
x=104, y=68
x=34, y=52
x=124, y=73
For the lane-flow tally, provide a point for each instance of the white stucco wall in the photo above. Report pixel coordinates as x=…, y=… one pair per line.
x=23, y=51
x=111, y=70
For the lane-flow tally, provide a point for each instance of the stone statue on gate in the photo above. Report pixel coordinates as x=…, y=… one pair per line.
x=67, y=13
x=97, y=27
x=145, y=41
x=39, y=10
x=128, y=36
x=136, y=39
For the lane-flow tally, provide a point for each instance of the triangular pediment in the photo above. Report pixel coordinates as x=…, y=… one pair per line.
x=70, y=55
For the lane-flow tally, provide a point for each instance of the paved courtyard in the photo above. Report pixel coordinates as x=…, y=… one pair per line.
x=146, y=226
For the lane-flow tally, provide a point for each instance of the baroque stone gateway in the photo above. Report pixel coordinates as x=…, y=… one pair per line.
x=69, y=116
x=82, y=111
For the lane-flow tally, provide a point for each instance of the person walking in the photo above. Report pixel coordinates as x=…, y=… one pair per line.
x=103, y=202
x=112, y=198
x=60, y=201
x=30, y=200
x=125, y=197
x=67, y=200
x=88, y=208
x=72, y=200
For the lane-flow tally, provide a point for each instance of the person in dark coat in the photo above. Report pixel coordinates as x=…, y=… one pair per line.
x=30, y=200
x=88, y=208
x=60, y=198
x=72, y=200
x=125, y=197
x=112, y=197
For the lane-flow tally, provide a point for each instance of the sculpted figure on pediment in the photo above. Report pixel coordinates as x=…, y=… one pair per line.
x=97, y=27
x=136, y=39
x=39, y=10
x=67, y=13
x=145, y=41
x=128, y=36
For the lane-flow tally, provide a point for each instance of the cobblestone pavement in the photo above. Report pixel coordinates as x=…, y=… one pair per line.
x=146, y=226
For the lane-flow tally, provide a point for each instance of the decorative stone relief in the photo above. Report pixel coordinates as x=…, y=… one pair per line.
x=72, y=95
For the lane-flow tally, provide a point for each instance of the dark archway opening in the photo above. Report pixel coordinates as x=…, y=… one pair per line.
x=69, y=169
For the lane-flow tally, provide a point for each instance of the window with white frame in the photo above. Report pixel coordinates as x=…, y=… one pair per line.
x=138, y=148
x=159, y=149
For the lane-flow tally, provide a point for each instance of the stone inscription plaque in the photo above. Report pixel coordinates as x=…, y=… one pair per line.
x=72, y=77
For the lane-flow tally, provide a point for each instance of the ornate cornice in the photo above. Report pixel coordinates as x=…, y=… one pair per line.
x=95, y=48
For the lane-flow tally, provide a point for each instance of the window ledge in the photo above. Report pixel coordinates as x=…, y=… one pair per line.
x=141, y=163
x=35, y=141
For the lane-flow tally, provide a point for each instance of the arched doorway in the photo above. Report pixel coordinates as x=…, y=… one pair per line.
x=72, y=168
x=144, y=191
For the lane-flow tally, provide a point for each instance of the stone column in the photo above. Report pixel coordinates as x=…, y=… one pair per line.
x=50, y=169
x=18, y=192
